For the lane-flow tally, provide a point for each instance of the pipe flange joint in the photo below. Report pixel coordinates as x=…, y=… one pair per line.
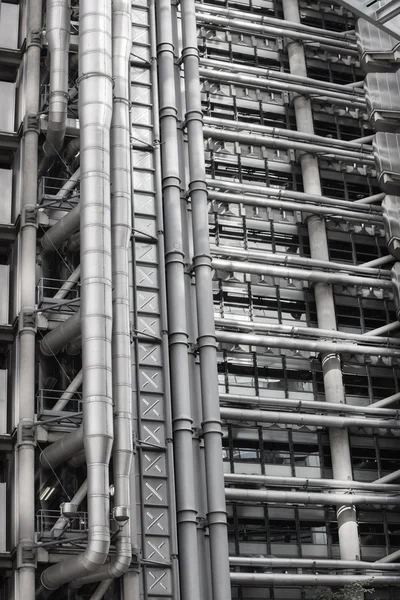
x=26, y=555
x=31, y=123
x=182, y=423
x=27, y=320
x=212, y=426
x=202, y=260
x=34, y=38
x=197, y=185
x=187, y=515
x=207, y=340
x=175, y=255
x=26, y=433
x=94, y=74
x=216, y=518
x=190, y=51
x=194, y=115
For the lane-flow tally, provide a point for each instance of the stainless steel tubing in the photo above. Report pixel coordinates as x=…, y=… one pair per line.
x=262, y=191
x=69, y=392
x=294, y=259
x=57, y=35
x=387, y=401
x=62, y=522
x=263, y=416
x=309, y=563
x=390, y=558
x=333, y=97
x=289, y=580
x=121, y=345
x=231, y=266
x=289, y=144
x=279, y=75
x=293, y=331
x=269, y=341
x=25, y=496
x=262, y=29
x=251, y=16
x=58, y=452
x=309, y=498
x=382, y=330
x=62, y=230
x=382, y=260
x=287, y=133
x=68, y=285
x=388, y=478
x=212, y=433
x=307, y=405
x=101, y=589
x=95, y=109
x=69, y=185
x=349, y=215
x=177, y=328
x=332, y=484
x=72, y=149
x=56, y=339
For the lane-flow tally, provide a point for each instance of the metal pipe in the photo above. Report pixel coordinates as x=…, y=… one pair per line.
x=309, y=498
x=312, y=405
x=212, y=433
x=62, y=230
x=279, y=75
x=60, y=451
x=322, y=95
x=56, y=339
x=231, y=266
x=62, y=522
x=95, y=109
x=68, y=285
x=254, y=17
x=309, y=563
x=72, y=149
x=388, y=478
x=370, y=199
x=69, y=392
x=289, y=580
x=121, y=344
x=263, y=416
x=387, y=401
x=332, y=484
x=267, y=202
x=390, y=558
x=69, y=185
x=101, y=589
x=382, y=330
x=57, y=35
x=25, y=496
x=295, y=259
x=377, y=262
x=293, y=331
x=289, y=144
x=177, y=327
x=301, y=196
x=269, y=341
x=287, y=133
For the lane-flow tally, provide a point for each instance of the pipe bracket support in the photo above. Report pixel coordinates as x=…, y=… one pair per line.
x=29, y=216
x=27, y=320
x=26, y=556
x=33, y=38
x=31, y=123
x=26, y=434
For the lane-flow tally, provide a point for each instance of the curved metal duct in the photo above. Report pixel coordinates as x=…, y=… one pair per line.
x=62, y=230
x=54, y=341
x=57, y=34
x=58, y=452
x=95, y=106
x=121, y=345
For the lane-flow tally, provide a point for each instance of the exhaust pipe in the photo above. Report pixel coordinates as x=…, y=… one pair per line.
x=57, y=34
x=95, y=107
x=54, y=341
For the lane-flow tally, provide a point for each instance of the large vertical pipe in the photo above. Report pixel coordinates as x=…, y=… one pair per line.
x=26, y=367
x=332, y=374
x=205, y=312
x=95, y=108
x=178, y=335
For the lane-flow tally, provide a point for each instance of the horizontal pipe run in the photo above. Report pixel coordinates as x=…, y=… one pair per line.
x=295, y=482
x=294, y=259
x=280, y=76
x=276, y=132
x=309, y=563
x=265, y=341
x=251, y=16
x=289, y=580
x=322, y=95
x=312, y=405
x=293, y=331
x=301, y=196
x=241, y=415
x=268, y=202
x=282, y=144
x=56, y=339
x=231, y=266
x=308, y=498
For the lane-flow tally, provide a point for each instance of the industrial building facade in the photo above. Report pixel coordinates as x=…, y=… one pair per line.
x=199, y=299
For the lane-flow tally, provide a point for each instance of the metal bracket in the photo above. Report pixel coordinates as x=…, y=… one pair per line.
x=34, y=38
x=31, y=123
x=29, y=216
x=26, y=433
x=27, y=320
x=26, y=556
